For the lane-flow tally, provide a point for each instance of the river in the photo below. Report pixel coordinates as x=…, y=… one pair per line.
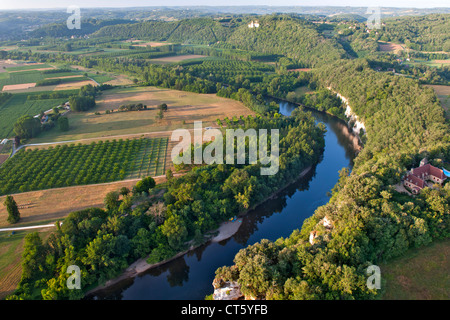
x=190, y=277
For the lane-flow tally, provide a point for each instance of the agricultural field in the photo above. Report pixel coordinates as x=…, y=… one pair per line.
x=17, y=106
x=183, y=109
x=69, y=165
x=23, y=77
x=430, y=63
x=11, y=248
x=443, y=93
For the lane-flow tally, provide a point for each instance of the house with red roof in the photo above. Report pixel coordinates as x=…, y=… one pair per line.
x=416, y=179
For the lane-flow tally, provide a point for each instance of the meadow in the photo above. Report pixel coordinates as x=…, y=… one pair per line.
x=420, y=274
x=82, y=164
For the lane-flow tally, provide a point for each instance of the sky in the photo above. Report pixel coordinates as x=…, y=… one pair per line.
x=24, y=4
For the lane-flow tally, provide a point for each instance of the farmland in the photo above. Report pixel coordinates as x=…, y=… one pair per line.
x=68, y=165
x=184, y=109
x=19, y=105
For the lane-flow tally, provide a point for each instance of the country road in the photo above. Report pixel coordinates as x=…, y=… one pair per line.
x=26, y=228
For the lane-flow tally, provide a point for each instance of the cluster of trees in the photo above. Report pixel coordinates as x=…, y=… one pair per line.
x=323, y=100
x=27, y=127
x=371, y=221
x=85, y=99
x=132, y=107
x=423, y=73
x=52, y=95
x=48, y=82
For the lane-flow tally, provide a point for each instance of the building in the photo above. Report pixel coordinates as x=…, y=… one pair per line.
x=416, y=179
x=254, y=24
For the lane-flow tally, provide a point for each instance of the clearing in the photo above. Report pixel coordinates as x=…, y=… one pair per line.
x=421, y=274
x=390, y=47
x=443, y=93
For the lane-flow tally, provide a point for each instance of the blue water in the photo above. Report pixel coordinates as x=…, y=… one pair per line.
x=191, y=276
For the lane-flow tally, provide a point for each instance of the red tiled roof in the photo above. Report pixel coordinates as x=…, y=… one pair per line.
x=415, y=180
x=428, y=169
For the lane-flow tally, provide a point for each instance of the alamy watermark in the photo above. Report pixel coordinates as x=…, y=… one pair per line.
x=374, y=279
x=214, y=153
x=74, y=21
x=374, y=20
x=74, y=280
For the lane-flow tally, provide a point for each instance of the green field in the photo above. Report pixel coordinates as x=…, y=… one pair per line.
x=17, y=106
x=29, y=67
x=421, y=274
x=82, y=164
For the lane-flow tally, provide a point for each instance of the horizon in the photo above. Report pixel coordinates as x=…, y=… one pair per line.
x=115, y=4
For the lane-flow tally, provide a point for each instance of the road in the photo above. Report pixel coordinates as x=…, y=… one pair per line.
x=26, y=228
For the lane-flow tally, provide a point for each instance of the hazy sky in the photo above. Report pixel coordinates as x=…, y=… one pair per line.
x=5, y=4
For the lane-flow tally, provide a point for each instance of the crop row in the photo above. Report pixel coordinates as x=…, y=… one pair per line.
x=69, y=165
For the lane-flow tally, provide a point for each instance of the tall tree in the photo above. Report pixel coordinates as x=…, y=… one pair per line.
x=11, y=208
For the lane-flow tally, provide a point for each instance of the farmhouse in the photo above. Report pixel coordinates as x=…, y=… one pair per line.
x=417, y=177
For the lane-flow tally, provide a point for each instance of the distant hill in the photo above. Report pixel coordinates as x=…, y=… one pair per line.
x=87, y=27
x=195, y=30
x=293, y=37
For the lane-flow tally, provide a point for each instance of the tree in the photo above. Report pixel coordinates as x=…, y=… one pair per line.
x=162, y=107
x=27, y=127
x=11, y=208
x=124, y=191
x=112, y=200
x=145, y=185
x=169, y=174
x=63, y=123
x=33, y=257
x=175, y=230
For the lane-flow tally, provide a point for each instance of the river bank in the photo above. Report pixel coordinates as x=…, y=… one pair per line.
x=225, y=231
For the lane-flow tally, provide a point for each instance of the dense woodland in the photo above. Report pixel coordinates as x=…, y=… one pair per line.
x=371, y=222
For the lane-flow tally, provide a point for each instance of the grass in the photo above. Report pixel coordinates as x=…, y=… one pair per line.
x=184, y=108
x=421, y=274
